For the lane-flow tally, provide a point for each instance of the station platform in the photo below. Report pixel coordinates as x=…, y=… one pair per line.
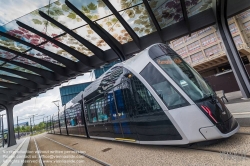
x=14, y=155
x=239, y=107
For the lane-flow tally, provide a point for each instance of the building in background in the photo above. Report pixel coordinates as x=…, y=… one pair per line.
x=69, y=92
x=205, y=51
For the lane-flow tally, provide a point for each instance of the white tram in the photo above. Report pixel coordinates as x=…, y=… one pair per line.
x=154, y=97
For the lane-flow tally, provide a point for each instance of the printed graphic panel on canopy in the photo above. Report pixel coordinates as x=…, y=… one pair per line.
x=97, y=11
x=121, y=5
x=42, y=56
x=167, y=12
x=18, y=68
x=8, y=43
x=139, y=20
x=29, y=62
x=112, y=25
x=197, y=6
x=90, y=35
x=57, y=50
x=15, y=30
x=60, y=12
x=6, y=55
x=1, y=62
x=75, y=44
x=35, y=21
x=7, y=81
x=10, y=74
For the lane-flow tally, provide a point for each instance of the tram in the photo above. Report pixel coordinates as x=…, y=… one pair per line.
x=153, y=98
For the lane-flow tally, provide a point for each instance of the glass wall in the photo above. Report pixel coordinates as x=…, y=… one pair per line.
x=74, y=120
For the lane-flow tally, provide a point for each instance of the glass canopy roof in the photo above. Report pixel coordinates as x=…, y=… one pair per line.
x=7, y=81
x=18, y=68
x=10, y=74
x=66, y=33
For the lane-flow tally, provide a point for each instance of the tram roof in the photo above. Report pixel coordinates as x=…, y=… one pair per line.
x=67, y=38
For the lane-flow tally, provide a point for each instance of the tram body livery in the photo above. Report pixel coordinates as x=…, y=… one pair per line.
x=154, y=97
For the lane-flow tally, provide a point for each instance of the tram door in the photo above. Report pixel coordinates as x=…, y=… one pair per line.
x=117, y=130
x=123, y=121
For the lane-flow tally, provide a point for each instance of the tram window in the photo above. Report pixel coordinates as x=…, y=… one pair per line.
x=141, y=100
x=163, y=88
x=92, y=113
x=185, y=76
x=100, y=109
x=123, y=99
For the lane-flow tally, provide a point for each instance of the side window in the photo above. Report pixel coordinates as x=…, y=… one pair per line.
x=92, y=113
x=73, y=115
x=143, y=101
x=163, y=88
x=123, y=98
x=111, y=107
x=100, y=109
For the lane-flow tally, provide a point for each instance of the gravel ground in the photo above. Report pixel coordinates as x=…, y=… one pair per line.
x=244, y=130
x=54, y=154
x=133, y=154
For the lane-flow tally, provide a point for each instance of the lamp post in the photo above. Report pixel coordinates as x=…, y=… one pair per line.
x=56, y=102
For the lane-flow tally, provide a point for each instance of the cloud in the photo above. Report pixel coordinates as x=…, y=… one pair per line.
x=13, y=9
x=42, y=105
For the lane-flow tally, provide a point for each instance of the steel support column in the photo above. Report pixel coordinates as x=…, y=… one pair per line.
x=10, y=122
x=239, y=70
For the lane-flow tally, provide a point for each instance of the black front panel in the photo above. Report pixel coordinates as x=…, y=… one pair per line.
x=217, y=112
x=228, y=125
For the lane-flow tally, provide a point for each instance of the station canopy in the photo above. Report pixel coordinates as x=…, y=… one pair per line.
x=65, y=39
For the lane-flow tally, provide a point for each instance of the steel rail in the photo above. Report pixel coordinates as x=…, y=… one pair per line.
x=39, y=154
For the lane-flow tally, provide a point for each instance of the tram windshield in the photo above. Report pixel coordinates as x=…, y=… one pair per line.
x=185, y=76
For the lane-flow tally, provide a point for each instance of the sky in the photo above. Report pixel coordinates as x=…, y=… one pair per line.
x=42, y=104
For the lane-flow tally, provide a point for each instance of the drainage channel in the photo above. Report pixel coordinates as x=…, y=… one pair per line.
x=78, y=152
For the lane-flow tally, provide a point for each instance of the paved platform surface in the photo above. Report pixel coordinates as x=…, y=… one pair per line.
x=15, y=154
x=239, y=107
x=121, y=153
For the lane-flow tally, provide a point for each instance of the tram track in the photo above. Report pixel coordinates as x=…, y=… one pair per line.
x=192, y=147
x=79, y=152
x=41, y=163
